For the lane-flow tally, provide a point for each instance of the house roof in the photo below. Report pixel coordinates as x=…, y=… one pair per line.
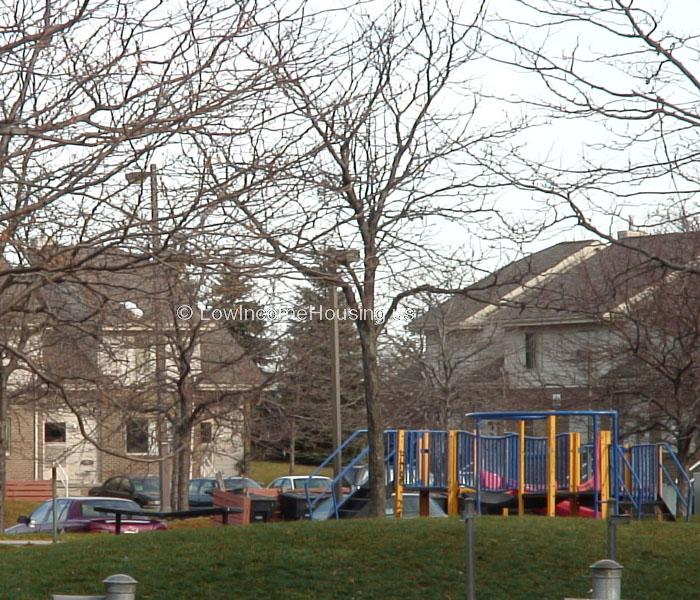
x=87, y=292
x=605, y=281
x=569, y=282
x=504, y=282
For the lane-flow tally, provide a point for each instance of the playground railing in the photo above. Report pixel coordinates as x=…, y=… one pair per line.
x=563, y=460
x=312, y=502
x=686, y=499
x=497, y=463
x=587, y=457
x=425, y=458
x=645, y=463
x=466, y=442
x=535, y=464
x=634, y=492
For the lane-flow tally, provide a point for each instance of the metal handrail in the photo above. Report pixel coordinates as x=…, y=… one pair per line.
x=340, y=448
x=621, y=478
x=309, y=502
x=312, y=502
x=687, y=501
x=337, y=502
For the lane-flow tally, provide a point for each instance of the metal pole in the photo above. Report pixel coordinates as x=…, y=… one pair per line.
x=54, y=523
x=613, y=522
x=469, y=517
x=612, y=539
x=164, y=467
x=335, y=384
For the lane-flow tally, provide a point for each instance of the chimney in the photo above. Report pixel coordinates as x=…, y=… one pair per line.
x=631, y=232
x=621, y=235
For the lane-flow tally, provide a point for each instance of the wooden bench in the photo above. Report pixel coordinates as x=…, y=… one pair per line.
x=28, y=490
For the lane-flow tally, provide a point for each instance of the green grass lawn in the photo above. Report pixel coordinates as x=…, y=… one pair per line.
x=15, y=508
x=265, y=471
x=518, y=558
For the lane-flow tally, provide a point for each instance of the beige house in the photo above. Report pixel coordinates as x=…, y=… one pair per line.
x=110, y=373
x=582, y=325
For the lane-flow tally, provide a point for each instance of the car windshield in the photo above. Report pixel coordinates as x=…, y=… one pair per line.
x=195, y=484
x=87, y=507
x=313, y=482
x=147, y=484
x=202, y=486
x=239, y=482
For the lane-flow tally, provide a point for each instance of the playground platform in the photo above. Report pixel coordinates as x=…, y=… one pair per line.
x=562, y=473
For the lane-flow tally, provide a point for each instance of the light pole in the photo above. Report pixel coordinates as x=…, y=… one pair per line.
x=336, y=257
x=164, y=466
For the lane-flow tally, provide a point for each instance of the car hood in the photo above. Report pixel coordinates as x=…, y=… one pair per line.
x=19, y=528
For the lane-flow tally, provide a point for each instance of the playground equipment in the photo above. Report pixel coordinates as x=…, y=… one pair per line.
x=558, y=474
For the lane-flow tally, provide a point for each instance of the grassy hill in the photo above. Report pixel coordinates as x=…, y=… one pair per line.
x=524, y=558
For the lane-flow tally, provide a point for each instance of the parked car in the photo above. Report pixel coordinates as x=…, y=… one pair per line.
x=411, y=507
x=202, y=489
x=291, y=483
x=79, y=515
x=145, y=491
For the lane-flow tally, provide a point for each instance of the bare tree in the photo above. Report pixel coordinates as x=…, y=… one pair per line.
x=373, y=163
x=441, y=371
x=90, y=91
x=619, y=78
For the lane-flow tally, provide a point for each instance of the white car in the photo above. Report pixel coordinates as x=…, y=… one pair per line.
x=297, y=483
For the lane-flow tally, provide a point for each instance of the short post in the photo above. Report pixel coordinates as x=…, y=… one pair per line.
x=54, y=522
x=118, y=523
x=120, y=587
x=613, y=522
x=607, y=580
x=469, y=517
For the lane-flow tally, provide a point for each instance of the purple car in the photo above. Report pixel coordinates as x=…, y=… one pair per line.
x=79, y=515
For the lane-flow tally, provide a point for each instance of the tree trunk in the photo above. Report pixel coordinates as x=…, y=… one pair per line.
x=247, y=434
x=683, y=453
x=182, y=451
x=181, y=468
x=4, y=446
x=292, y=446
x=183, y=478
x=375, y=425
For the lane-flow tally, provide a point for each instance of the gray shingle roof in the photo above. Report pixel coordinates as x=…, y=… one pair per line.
x=605, y=279
x=558, y=285
x=496, y=286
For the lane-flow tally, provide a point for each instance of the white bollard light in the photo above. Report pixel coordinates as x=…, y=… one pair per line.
x=120, y=587
x=607, y=580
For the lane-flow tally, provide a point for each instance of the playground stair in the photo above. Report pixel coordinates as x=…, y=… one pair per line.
x=655, y=509
x=354, y=504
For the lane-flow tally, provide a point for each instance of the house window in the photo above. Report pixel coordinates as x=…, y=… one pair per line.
x=530, y=351
x=54, y=433
x=206, y=434
x=137, y=436
x=143, y=362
